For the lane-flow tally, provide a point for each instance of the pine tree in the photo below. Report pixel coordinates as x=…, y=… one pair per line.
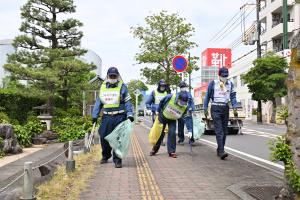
x=47, y=52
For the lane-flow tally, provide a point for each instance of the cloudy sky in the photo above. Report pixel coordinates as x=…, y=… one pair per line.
x=107, y=26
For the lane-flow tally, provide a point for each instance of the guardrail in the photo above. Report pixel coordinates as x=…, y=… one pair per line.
x=28, y=185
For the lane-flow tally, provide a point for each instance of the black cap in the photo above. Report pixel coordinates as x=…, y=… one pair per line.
x=223, y=72
x=113, y=71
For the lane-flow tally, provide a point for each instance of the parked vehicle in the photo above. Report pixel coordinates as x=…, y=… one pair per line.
x=141, y=113
x=148, y=112
x=234, y=123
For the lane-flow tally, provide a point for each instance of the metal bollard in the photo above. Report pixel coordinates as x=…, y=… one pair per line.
x=70, y=163
x=86, y=141
x=28, y=182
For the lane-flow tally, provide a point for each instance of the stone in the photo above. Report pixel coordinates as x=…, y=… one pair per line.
x=45, y=137
x=10, y=142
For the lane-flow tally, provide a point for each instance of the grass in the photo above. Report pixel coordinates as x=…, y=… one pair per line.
x=65, y=186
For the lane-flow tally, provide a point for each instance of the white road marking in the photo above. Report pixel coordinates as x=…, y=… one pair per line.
x=263, y=133
x=245, y=156
x=249, y=157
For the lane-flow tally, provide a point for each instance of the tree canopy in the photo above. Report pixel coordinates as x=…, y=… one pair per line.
x=266, y=80
x=164, y=36
x=47, y=53
x=134, y=85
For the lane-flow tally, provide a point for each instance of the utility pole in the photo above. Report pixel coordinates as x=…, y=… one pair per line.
x=259, y=113
x=190, y=80
x=285, y=24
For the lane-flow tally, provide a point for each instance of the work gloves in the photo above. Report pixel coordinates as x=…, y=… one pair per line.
x=235, y=113
x=94, y=120
x=205, y=113
x=130, y=118
x=189, y=135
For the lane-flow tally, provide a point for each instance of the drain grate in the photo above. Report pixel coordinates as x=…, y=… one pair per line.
x=263, y=192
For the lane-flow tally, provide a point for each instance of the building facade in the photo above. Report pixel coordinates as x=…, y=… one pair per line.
x=271, y=40
x=5, y=48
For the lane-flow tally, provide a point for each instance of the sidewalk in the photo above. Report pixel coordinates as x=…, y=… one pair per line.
x=201, y=175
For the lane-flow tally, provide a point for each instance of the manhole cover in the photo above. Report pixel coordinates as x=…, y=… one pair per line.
x=263, y=192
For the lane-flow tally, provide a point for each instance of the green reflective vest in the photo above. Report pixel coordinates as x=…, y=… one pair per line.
x=110, y=97
x=158, y=96
x=173, y=111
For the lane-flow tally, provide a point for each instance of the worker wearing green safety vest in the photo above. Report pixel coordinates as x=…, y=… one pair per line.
x=155, y=97
x=114, y=101
x=171, y=108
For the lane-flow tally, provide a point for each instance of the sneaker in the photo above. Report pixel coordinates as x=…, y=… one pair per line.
x=152, y=153
x=103, y=161
x=172, y=155
x=223, y=155
x=118, y=164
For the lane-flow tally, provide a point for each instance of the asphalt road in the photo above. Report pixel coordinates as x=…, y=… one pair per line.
x=252, y=146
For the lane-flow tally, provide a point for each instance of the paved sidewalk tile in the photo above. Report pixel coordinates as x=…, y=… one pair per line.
x=201, y=175
x=109, y=183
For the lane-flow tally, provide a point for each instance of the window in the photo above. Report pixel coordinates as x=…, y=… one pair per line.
x=242, y=81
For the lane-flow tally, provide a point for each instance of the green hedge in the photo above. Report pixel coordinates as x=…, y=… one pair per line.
x=71, y=127
x=16, y=105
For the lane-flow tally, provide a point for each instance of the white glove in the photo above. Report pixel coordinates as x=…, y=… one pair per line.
x=156, y=113
x=189, y=135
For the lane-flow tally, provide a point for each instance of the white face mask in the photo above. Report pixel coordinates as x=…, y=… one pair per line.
x=184, y=89
x=223, y=79
x=162, y=88
x=112, y=81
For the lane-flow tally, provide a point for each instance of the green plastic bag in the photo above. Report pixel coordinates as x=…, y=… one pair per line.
x=198, y=127
x=119, y=138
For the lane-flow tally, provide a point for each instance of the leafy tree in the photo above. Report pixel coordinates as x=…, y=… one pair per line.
x=47, y=53
x=134, y=85
x=164, y=36
x=266, y=80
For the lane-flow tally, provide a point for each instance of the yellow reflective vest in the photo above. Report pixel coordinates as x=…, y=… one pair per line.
x=159, y=96
x=110, y=97
x=173, y=111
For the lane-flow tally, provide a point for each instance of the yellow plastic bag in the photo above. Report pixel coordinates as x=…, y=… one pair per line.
x=155, y=131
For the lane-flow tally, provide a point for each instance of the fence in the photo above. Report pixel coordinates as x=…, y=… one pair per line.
x=27, y=175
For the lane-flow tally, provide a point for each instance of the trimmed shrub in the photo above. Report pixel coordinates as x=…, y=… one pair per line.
x=71, y=128
x=27, y=132
x=16, y=105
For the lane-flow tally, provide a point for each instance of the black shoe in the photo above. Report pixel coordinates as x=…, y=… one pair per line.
x=223, y=155
x=103, y=161
x=152, y=153
x=118, y=164
x=172, y=155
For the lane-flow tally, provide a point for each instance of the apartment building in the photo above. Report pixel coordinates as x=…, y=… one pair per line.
x=271, y=40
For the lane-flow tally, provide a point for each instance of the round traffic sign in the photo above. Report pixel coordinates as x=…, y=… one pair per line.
x=179, y=63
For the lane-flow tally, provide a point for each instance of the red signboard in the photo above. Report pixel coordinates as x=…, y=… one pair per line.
x=216, y=57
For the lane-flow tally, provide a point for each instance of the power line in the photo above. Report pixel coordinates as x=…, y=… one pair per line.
x=233, y=27
x=224, y=26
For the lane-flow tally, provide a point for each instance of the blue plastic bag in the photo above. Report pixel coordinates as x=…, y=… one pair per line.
x=119, y=138
x=198, y=127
